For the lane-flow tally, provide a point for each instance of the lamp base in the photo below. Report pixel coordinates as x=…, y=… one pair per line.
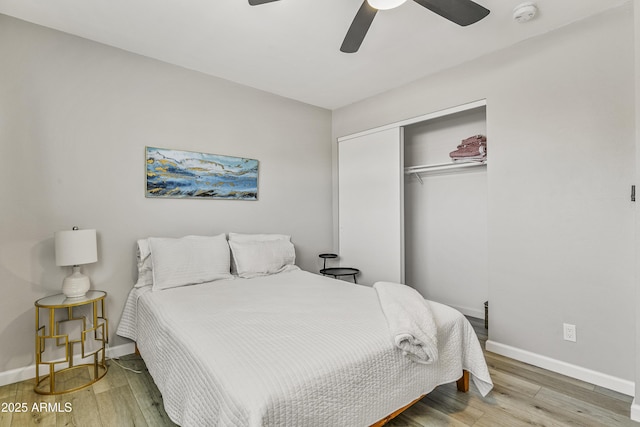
x=75, y=285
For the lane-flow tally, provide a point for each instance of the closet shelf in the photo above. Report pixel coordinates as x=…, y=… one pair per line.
x=416, y=170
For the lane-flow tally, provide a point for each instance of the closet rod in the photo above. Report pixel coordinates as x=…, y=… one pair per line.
x=442, y=166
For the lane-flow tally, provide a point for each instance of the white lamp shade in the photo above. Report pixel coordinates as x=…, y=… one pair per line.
x=385, y=4
x=76, y=247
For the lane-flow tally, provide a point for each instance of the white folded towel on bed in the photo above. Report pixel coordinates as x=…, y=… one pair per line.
x=410, y=321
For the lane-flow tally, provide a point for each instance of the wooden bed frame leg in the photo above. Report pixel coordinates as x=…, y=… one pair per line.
x=137, y=351
x=463, y=382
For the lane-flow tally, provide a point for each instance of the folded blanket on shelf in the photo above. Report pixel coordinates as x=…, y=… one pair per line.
x=468, y=152
x=475, y=146
x=473, y=140
x=410, y=321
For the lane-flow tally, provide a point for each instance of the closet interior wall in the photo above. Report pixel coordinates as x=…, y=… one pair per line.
x=445, y=215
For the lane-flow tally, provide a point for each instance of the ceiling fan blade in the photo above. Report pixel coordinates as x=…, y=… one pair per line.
x=257, y=2
x=358, y=29
x=462, y=12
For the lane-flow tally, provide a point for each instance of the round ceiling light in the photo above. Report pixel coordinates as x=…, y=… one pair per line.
x=525, y=12
x=385, y=4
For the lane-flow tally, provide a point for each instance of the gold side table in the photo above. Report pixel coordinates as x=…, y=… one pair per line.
x=61, y=333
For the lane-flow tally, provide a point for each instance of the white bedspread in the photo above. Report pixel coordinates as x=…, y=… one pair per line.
x=291, y=349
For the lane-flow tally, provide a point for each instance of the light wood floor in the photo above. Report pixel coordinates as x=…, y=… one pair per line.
x=523, y=396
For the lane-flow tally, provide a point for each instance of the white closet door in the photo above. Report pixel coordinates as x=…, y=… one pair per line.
x=371, y=205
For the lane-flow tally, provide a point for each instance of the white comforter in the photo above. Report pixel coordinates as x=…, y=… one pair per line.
x=291, y=349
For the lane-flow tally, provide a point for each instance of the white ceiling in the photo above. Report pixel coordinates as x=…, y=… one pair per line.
x=291, y=47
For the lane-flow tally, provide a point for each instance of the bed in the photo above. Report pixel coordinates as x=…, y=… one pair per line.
x=286, y=348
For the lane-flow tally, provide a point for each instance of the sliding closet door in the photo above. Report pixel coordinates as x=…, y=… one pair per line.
x=371, y=205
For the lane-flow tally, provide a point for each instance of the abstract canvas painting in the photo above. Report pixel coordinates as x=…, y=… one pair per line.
x=187, y=174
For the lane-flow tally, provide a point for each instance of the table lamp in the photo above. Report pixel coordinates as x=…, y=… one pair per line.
x=74, y=248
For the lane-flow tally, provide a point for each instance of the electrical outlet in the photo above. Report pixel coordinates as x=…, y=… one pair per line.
x=569, y=332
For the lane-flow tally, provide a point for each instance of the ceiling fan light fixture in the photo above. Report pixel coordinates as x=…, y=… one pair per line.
x=385, y=4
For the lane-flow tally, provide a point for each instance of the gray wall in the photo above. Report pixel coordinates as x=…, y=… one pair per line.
x=560, y=123
x=75, y=117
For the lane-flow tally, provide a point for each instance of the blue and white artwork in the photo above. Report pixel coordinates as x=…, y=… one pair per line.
x=186, y=174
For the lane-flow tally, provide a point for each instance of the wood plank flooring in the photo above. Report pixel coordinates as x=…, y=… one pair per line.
x=523, y=395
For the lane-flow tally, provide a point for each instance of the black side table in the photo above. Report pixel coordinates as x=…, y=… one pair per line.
x=340, y=271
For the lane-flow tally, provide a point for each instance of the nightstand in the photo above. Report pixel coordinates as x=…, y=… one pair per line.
x=337, y=271
x=340, y=271
x=71, y=341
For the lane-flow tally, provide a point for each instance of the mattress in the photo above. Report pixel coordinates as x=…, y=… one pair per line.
x=290, y=349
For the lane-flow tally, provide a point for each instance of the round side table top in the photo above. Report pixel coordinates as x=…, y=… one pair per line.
x=61, y=300
x=340, y=271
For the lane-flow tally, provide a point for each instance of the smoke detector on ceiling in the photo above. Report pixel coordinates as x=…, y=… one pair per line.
x=524, y=12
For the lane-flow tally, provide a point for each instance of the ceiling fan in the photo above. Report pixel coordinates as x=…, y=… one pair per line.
x=461, y=12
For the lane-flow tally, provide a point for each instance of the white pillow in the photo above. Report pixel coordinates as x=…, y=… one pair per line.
x=143, y=255
x=189, y=260
x=239, y=237
x=261, y=258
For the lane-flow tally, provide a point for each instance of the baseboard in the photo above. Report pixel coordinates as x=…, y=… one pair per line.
x=635, y=410
x=121, y=350
x=593, y=377
x=29, y=372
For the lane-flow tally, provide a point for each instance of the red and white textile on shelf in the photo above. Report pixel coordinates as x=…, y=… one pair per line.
x=473, y=148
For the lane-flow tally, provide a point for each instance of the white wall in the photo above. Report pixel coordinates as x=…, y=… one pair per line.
x=75, y=117
x=560, y=116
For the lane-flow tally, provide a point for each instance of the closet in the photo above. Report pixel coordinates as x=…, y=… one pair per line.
x=407, y=213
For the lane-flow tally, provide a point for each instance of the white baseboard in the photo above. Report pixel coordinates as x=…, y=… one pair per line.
x=121, y=350
x=593, y=377
x=29, y=372
x=635, y=410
